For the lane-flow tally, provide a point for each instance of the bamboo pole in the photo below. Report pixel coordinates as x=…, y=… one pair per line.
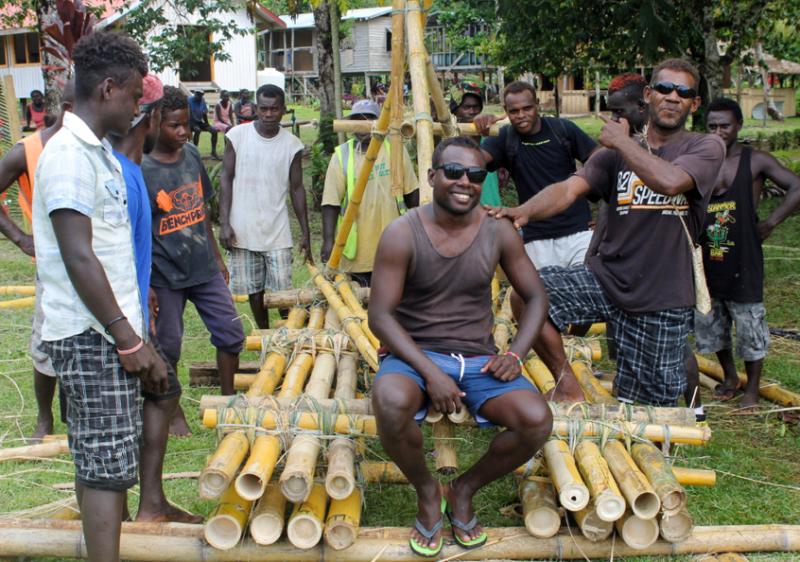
x=694, y=476
x=419, y=85
x=303, y=339
x=225, y=525
x=45, y=450
x=321, y=379
x=637, y=533
x=345, y=289
x=352, y=328
x=346, y=378
x=297, y=477
x=592, y=389
x=302, y=297
x=439, y=103
x=542, y=378
x=572, y=492
x=376, y=142
x=582, y=348
x=23, y=302
x=768, y=389
x=408, y=129
x=607, y=500
x=597, y=329
x=591, y=526
x=344, y=518
x=677, y=526
x=539, y=509
x=25, y=290
x=271, y=372
x=619, y=429
x=356, y=406
x=296, y=376
x=340, y=478
x=266, y=522
x=503, y=322
x=316, y=318
x=257, y=471
x=304, y=529
x=444, y=434
x=223, y=464
x=658, y=472
x=640, y=495
x=396, y=155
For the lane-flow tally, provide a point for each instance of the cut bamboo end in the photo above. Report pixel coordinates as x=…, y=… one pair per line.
x=637, y=533
x=460, y=416
x=676, y=527
x=252, y=480
x=340, y=479
x=305, y=525
x=224, y=527
x=266, y=523
x=592, y=526
x=572, y=492
x=433, y=416
x=223, y=464
x=297, y=477
x=658, y=472
x=609, y=504
x=344, y=518
x=637, y=490
x=539, y=508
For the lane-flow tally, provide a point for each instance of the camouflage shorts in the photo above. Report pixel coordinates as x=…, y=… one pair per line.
x=712, y=331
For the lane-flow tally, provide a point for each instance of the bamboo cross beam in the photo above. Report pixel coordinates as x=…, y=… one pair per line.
x=303, y=297
x=408, y=129
x=306, y=338
x=439, y=103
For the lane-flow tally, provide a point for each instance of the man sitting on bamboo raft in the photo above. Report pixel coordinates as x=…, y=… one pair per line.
x=431, y=305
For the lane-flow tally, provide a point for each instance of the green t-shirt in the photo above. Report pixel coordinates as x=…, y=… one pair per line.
x=490, y=194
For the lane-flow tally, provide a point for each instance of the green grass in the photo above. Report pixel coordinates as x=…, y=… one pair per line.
x=756, y=447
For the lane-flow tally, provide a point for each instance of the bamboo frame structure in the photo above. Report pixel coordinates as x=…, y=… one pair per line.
x=572, y=492
x=444, y=433
x=44, y=450
x=641, y=498
x=652, y=463
x=216, y=477
x=637, y=533
x=607, y=500
x=305, y=526
x=224, y=527
x=266, y=522
x=302, y=297
x=539, y=508
x=417, y=56
x=344, y=518
x=677, y=526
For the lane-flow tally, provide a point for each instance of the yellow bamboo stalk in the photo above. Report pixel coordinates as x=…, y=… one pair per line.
x=598, y=329
x=609, y=505
x=340, y=479
x=316, y=319
x=296, y=376
x=44, y=450
x=572, y=492
x=25, y=290
x=306, y=522
x=591, y=526
x=695, y=476
x=592, y=389
x=444, y=433
x=651, y=462
x=302, y=297
x=637, y=533
x=618, y=429
x=303, y=339
x=298, y=475
x=582, y=348
x=225, y=525
x=348, y=295
x=321, y=379
x=344, y=518
x=540, y=374
x=676, y=526
x=768, y=389
x=271, y=371
x=352, y=328
x=252, y=480
x=503, y=323
x=495, y=291
x=408, y=129
x=539, y=509
x=357, y=406
x=266, y=522
x=396, y=155
x=637, y=490
x=332, y=320
x=346, y=378
x=439, y=103
x=421, y=92
x=24, y=302
x=223, y=464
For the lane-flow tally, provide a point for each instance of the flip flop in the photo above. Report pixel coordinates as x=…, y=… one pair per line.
x=480, y=540
x=721, y=394
x=425, y=551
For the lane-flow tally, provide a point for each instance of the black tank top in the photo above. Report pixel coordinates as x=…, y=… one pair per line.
x=447, y=302
x=732, y=255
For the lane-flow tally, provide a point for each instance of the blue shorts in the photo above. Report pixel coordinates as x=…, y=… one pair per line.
x=466, y=372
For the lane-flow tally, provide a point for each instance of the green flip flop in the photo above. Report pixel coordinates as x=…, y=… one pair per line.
x=455, y=522
x=424, y=551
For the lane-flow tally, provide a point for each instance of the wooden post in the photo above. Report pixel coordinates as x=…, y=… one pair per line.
x=225, y=525
x=266, y=523
x=539, y=509
x=223, y=464
x=572, y=492
x=348, y=295
x=640, y=495
x=655, y=468
x=344, y=518
x=768, y=389
x=305, y=524
x=444, y=433
x=607, y=499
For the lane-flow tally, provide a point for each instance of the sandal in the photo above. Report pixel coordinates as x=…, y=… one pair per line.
x=425, y=551
x=480, y=540
x=722, y=394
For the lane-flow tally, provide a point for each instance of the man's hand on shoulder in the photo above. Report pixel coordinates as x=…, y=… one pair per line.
x=515, y=214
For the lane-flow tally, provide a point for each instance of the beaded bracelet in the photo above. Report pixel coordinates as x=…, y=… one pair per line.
x=515, y=356
x=132, y=350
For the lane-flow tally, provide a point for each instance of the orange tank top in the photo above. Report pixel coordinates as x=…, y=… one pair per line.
x=33, y=149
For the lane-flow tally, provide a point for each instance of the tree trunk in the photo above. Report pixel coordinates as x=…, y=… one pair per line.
x=55, y=76
x=769, y=105
x=337, y=64
x=327, y=96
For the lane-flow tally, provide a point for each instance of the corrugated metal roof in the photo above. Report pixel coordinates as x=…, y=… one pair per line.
x=304, y=21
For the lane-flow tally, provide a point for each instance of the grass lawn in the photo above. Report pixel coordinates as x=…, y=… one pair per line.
x=755, y=456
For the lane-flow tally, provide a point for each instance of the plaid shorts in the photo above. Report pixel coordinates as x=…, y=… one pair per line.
x=104, y=418
x=649, y=345
x=712, y=331
x=252, y=272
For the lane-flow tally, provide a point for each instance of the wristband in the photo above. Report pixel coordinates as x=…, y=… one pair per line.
x=515, y=356
x=113, y=321
x=132, y=350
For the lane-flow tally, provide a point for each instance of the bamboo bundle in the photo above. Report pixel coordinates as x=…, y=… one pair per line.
x=296, y=376
x=591, y=526
x=539, y=509
x=303, y=297
x=252, y=480
x=225, y=525
x=352, y=328
x=503, y=324
x=356, y=406
x=44, y=450
x=344, y=518
x=768, y=389
x=25, y=290
x=607, y=500
x=266, y=522
x=408, y=129
x=542, y=378
x=677, y=526
x=640, y=495
x=419, y=85
x=572, y=492
x=658, y=472
x=637, y=533
x=305, y=524
x=307, y=340
x=444, y=433
x=592, y=389
x=24, y=302
x=223, y=464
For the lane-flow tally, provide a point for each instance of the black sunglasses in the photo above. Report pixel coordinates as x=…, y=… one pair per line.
x=666, y=88
x=454, y=171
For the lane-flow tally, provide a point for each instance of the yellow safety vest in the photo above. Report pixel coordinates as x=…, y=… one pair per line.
x=351, y=245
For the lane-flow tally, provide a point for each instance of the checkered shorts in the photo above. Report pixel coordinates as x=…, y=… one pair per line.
x=103, y=410
x=252, y=272
x=649, y=345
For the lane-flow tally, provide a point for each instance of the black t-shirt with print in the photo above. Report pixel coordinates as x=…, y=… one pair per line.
x=542, y=160
x=183, y=255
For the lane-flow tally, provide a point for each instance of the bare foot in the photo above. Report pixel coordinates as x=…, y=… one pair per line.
x=169, y=513
x=567, y=390
x=726, y=391
x=43, y=427
x=178, y=427
x=459, y=502
x=429, y=512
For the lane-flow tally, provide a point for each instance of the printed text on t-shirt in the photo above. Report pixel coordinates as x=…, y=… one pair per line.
x=184, y=205
x=633, y=194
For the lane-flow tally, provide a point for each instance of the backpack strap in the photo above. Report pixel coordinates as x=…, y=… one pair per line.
x=556, y=125
x=512, y=145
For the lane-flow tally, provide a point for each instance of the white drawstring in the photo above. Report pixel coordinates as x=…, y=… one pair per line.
x=462, y=362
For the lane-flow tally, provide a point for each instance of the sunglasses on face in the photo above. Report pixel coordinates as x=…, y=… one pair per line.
x=666, y=88
x=455, y=171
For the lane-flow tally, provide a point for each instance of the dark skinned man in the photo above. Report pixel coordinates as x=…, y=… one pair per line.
x=732, y=254
x=641, y=280
x=262, y=162
x=431, y=306
x=93, y=326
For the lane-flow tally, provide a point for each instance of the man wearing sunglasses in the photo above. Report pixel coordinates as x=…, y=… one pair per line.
x=641, y=280
x=431, y=305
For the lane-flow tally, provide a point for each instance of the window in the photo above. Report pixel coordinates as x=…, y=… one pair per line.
x=388, y=40
x=26, y=48
x=3, y=58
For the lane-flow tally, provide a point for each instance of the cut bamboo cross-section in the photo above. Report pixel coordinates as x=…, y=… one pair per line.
x=306, y=522
x=658, y=472
x=303, y=297
x=224, y=527
x=637, y=533
x=340, y=479
x=222, y=466
x=572, y=492
x=539, y=509
x=677, y=526
x=444, y=434
x=45, y=450
x=266, y=522
x=592, y=389
x=257, y=471
x=591, y=526
x=344, y=518
x=269, y=376
x=637, y=490
x=607, y=500
x=298, y=474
